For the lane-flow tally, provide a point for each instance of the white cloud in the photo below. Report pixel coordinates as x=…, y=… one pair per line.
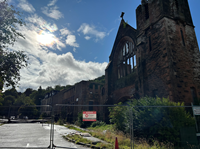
x=86, y=29
x=42, y=28
x=52, y=12
x=71, y=40
x=60, y=45
x=24, y=5
x=87, y=37
x=51, y=3
x=8, y=1
x=48, y=68
x=65, y=31
x=40, y=23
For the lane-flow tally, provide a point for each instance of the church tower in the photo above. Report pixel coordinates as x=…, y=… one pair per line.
x=167, y=50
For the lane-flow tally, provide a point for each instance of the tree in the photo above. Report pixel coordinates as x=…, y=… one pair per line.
x=10, y=61
x=9, y=100
x=8, y=24
x=118, y=116
x=25, y=102
x=28, y=91
x=12, y=92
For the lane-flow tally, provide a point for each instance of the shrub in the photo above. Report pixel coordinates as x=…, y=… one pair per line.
x=118, y=116
x=97, y=123
x=162, y=123
x=60, y=121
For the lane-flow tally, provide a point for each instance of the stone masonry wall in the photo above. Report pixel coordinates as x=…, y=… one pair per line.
x=184, y=66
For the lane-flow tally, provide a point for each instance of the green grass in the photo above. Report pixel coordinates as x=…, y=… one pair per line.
x=74, y=128
x=102, y=128
x=123, y=139
x=78, y=139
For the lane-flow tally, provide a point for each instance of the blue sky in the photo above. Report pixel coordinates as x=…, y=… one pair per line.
x=70, y=40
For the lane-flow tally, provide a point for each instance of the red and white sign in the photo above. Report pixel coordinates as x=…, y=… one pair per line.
x=89, y=115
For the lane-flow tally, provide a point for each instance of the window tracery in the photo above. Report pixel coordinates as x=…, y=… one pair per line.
x=126, y=59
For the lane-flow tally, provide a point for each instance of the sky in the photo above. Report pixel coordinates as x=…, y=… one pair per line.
x=70, y=40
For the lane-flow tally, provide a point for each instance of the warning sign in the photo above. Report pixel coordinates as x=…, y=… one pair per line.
x=196, y=110
x=89, y=115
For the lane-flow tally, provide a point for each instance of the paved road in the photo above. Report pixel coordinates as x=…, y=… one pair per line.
x=33, y=135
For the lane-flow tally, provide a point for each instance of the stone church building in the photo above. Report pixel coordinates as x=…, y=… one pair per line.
x=159, y=58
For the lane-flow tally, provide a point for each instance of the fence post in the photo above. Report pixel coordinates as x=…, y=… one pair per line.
x=194, y=117
x=131, y=129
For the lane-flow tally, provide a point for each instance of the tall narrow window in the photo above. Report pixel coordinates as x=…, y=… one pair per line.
x=177, y=6
x=146, y=11
x=182, y=38
x=134, y=61
x=155, y=93
x=126, y=59
x=127, y=48
x=131, y=63
x=124, y=51
x=194, y=95
x=150, y=48
x=90, y=107
x=119, y=73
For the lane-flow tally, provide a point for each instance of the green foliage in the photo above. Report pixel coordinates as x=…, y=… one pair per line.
x=28, y=91
x=60, y=121
x=25, y=108
x=118, y=116
x=59, y=87
x=68, y=86
x=125, y=23
x=9, y=100
x=1, y=98
x=12, y=92
x=10, y=65
x=125, y=81
x=8, y=24
x=97, y=124
x=74, y=128
x=78, y=138
x=163, y=123
x=10, y=61
x=37, y=96
x=43, y=115
x=100, y=80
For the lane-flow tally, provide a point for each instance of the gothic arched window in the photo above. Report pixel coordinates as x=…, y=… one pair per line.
x=126, y=59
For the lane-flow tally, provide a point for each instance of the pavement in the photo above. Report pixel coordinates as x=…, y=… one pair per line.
x=34, y=135
x=62, y=130
x=24, y=120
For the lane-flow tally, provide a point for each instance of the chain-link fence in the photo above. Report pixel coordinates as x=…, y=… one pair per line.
x=143, y=126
